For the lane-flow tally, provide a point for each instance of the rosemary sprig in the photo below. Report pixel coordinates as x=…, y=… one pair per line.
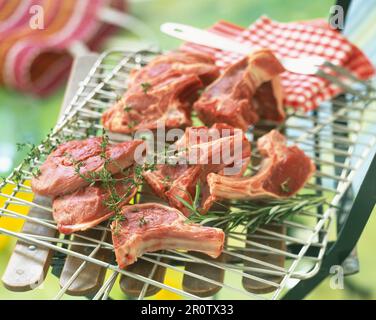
x=252, y=214
x=194, y=206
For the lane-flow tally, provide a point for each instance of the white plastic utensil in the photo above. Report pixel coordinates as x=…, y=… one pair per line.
x=306, y=65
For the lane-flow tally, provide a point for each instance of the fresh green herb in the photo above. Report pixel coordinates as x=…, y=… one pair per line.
x=104, y=144
x=47, y=145
x=34, y=151
x=140, y=169
x=36, y=172
x=173, y=156
x=108, y=182
x=194, y=205
x=200, y=92
x=21, y=146
x=91, y=131
x=145, y=87
x=127, y=108
x=196, y=200
x=117, y=219
x=166, y=180
x=252, y=214
x=104, y=176
x=131, y=124
x=17, y=176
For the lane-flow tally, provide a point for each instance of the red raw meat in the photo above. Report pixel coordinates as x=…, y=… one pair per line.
x=268, y=101
x=202, y=65
x=166, y=102
x=162, y=91
x=150, y=227
x=247, y=91
x=85, y=208
x=58, y=175
x=284, y=171
x=170, y=181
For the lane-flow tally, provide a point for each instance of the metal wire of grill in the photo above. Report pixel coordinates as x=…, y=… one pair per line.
x=335, y=131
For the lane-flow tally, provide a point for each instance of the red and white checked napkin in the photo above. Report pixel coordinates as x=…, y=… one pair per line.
x=295, y=39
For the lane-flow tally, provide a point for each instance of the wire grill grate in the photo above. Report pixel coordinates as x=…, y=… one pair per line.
x=339, y=137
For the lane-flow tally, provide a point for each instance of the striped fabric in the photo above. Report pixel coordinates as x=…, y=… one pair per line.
x=37, y=60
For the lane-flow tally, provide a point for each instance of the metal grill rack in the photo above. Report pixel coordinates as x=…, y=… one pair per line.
x=261, y=265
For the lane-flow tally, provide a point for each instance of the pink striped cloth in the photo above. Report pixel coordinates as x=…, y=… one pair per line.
x=37, y=61
x=294, y=39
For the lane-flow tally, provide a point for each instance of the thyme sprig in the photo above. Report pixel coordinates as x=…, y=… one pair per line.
x=127, y=108
x=37, y=153
x=34, y=153
x=107, y=180
x=145, y=87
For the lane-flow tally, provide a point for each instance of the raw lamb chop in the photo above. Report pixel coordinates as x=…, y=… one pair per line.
x=166, y=101
x=150, y=227
x=58, y=173
x=161, y=91
x=86, y=207
x=174, y=182
x=247, y=91
x=284, y=171
x=198, y=64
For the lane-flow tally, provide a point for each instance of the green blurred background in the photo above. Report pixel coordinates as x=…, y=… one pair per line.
x=24, y=118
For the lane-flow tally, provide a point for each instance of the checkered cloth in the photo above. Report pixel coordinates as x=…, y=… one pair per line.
x=294, y=39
